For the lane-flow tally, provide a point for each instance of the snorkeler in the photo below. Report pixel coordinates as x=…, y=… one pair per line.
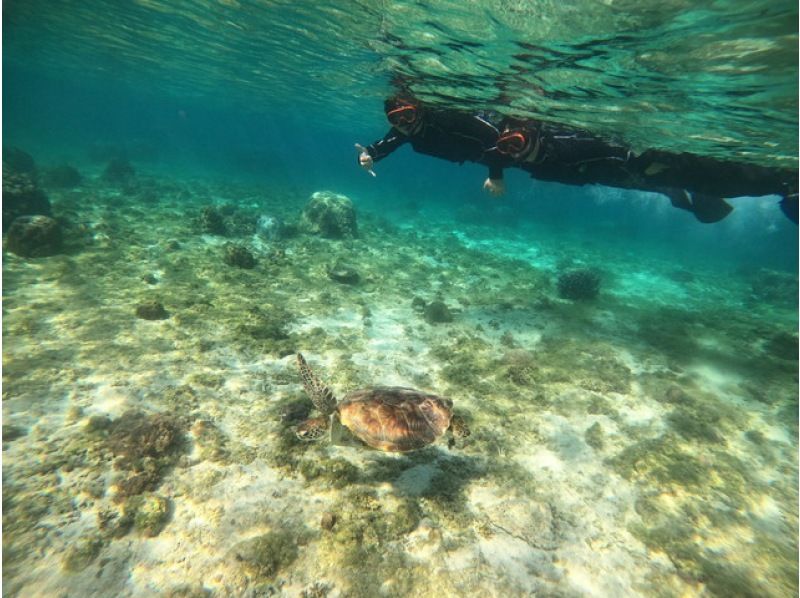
x=448, y=134
x=694, y=183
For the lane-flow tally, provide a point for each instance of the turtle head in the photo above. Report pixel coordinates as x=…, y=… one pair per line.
x=459, y=427
x=313, y=429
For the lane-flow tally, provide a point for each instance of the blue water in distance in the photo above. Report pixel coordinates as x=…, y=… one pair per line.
x=63, y=119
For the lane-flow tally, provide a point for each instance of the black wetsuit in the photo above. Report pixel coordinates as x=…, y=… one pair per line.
x=695, y=183
x=450, y=135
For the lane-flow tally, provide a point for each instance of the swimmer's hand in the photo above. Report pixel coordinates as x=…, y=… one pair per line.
x=495, y=187
x=364, y=159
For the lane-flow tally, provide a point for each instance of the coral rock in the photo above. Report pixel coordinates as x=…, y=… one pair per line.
x=151, y=310
x=22, y=197
x=239, y=256
x=34, y=236
x=436, y=312
x=343, y=273
x=211, y=221
x=330, y=215
x=328, y=521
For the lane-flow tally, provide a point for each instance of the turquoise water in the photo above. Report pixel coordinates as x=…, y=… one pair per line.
x=641, y=442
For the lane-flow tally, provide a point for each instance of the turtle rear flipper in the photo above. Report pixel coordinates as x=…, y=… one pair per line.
x=318, y=392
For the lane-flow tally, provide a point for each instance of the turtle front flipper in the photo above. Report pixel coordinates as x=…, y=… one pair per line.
x=319, y=393
x=458, y=429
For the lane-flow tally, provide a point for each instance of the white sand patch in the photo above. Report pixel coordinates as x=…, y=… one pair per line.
x=513, y=559
x=713, y=378
x=541, y=459
x=109, y=398
x=641, y=414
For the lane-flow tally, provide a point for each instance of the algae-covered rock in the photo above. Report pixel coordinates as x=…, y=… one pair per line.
x=135, y=435
x=263, y=557
x=437, y=312
x=211, y=441
x=34, y=236
x=343, y=273
x=330, y=215
x=594, y=436
x=145, y=447
x=239, y=256
x=151, y=309
x=152, y=514
x=80, y=554
x=21, y=197
x=211, y=221
x=328, y=520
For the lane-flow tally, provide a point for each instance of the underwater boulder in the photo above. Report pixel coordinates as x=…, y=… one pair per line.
x=343, y=273
x=151, y=310
x=21, y=197
x=239, y=256
x=579, y=285
x=330, y=215
x=211, y=221
x=437, y=312
x=34, y=236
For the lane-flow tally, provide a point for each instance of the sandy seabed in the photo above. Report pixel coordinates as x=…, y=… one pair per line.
x=642, y=443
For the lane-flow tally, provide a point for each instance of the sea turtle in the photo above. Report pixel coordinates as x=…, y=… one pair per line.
x=388, y=418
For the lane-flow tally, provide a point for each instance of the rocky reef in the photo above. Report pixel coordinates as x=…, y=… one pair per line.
x=239, y=256
x=21, y=193
x=211, y=221
x=34, y=236
x=608, y=445
x=330, y=215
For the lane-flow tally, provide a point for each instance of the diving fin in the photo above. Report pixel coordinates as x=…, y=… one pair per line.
x=706, y=208
x=789, y=207
x=679, y=198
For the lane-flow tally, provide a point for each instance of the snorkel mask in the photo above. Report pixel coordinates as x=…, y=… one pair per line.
x=512, y=142
x=405, y=114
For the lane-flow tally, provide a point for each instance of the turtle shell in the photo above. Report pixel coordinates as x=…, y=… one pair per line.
x=392, y=418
